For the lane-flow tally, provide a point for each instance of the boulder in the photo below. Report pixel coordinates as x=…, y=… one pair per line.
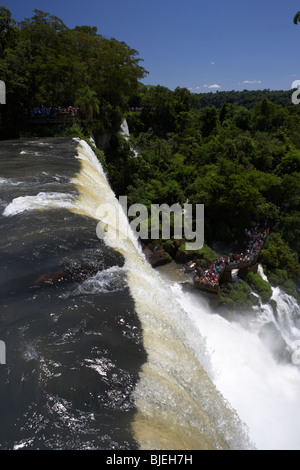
x=64, y=275
x=158, y=258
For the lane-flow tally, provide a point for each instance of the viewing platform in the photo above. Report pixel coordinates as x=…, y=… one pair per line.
x=221, y=270
x=52, y=115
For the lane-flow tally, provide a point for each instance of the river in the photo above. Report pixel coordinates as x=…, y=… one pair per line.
x=102, y=351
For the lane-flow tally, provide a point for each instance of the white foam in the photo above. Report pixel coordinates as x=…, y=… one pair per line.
x=41, y=201
x=265, y=394
x=30, y=152
x=3, y=181
x=9, y=181
x=108, y=280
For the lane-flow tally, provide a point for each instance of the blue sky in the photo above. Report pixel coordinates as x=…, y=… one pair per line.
x=200, y=45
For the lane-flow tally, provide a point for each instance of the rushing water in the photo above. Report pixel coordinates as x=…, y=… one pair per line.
x=251, y=358
x=124, y=131
x=102, y=351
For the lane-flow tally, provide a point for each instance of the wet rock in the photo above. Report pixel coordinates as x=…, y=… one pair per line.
x=158, y=258
x=63, y=275
x=184, y=256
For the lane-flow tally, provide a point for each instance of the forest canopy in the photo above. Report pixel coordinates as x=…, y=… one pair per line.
x=238, y=153
x=241, y=162
x=45, y=63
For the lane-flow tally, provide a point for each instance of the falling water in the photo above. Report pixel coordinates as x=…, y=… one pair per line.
x=178, y=405
x=125, y=132
x=121, y=357
x=250, y=368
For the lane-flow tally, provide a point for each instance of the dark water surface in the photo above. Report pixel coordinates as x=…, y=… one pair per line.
x=73, y=339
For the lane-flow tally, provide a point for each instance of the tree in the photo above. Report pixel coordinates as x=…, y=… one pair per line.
x=290, y=163
x=88, y=102
x=43, y=62
x=7, y=27
x=277, y=254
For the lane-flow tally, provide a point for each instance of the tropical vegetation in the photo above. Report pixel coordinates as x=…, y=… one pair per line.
x=45, y=63
x=238, y=153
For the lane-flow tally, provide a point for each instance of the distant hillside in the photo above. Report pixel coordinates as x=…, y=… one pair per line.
x=245, y=98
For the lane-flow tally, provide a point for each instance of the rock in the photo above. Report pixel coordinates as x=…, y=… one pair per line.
x=64, y=275
x=52, y=278
x=158, y=258
x=171, y=247
x=184, y=257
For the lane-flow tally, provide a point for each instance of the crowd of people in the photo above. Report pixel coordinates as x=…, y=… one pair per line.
x=211, y=277
x=257, y=238
x=62, y=113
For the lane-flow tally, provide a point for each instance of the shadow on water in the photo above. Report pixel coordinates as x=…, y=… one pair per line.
x=73, y=342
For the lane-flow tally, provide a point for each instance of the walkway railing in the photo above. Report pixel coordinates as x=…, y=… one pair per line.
x=52, y=115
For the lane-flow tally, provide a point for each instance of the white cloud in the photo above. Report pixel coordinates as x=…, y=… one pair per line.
x=212, y=63
x=215, y=86
x=197, y=89
x=246, y=82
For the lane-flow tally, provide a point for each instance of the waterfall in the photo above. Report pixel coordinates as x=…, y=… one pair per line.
x=263, y=389
x=285, y=318
x=178, y=405
x=124, y=357
x=125, y=129
x=125, y=132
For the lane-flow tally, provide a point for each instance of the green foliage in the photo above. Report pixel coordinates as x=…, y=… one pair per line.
x=277, y=277
x=276, y=254
x=239, y=158
x=290, y=162
x=239, y=298
x=238, y=153
x=43, y=62
x=280, y=277
x=246, y=98
x=260, y=286
x=88, y=102
x=289, y=287
x=207, y=254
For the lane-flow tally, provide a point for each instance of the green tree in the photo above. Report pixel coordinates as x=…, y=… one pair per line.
x=88, y=102
x=260, y=286
x=276, y=254
x=43, y=62
x=210, y=119
x=7, y=29
x=290, y=163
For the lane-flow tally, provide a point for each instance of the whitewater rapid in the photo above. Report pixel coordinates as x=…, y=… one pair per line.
x=265, y=393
